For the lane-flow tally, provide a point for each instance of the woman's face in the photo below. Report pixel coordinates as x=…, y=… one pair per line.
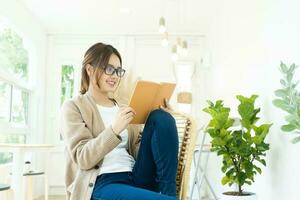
x=109, y=83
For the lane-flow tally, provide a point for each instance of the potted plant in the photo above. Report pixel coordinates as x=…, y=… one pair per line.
x=289, y=100
x=242, y=148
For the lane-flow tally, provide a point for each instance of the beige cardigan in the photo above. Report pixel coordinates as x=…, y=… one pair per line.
x=87, y=141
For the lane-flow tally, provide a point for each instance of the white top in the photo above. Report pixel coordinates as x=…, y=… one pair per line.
x=118, y=160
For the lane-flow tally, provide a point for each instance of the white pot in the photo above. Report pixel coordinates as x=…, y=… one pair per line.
x=231, y=197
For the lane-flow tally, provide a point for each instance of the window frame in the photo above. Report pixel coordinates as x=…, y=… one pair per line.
x=11, y=127
x=15, y=82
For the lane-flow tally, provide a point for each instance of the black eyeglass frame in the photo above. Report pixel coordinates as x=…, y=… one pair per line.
x=119, y=70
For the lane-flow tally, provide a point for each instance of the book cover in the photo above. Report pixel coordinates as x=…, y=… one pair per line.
x=148, y=96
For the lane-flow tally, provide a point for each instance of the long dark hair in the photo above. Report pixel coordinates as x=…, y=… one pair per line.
x=98, y=56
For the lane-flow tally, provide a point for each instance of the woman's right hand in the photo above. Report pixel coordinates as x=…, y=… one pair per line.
x=123, y=118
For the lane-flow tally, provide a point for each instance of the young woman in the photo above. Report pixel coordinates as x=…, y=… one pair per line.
x=101, y=146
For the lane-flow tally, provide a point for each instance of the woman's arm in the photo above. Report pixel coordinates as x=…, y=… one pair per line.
x=85, y=150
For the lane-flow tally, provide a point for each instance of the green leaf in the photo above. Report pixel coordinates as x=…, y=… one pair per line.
x=221, y=152
x=246, y=123
x=292, y=118
x=283, y=83
x=250, y=100
x=292, y=68
x=210, y=103
x=221, y=119
x=295, y=85
x=289, y=77
x=279, y=103
x=262, y=147
x=257, y=169
x=283, y=105
x=288, y=127
x=229, y=123
x=223, y=133
x=283, y=67
x=296, y=140
x=281, y=93
x=260, y=132
x=262, y=161
x=248, y=182
x=218, y=141
x=225, y=180
x=230, y=172
x=247, y=135
x=256, y=139
x=246, y=110
x=248, y=166
x=253, y=98
x=242, y=178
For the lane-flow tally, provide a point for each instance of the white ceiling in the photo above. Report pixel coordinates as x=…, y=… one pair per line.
x=104, y=16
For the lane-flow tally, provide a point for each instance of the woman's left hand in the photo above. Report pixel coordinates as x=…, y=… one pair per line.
x=166, y=107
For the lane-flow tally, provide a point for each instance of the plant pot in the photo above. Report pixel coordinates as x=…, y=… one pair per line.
x=251, y=196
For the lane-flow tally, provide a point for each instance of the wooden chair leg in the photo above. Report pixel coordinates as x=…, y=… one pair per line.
x=46, y=187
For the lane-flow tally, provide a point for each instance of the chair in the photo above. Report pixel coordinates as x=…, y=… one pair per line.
x=187, y=133
x=29, y=183
x=28, y=179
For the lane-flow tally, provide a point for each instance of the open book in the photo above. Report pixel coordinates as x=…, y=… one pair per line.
x=148, y=96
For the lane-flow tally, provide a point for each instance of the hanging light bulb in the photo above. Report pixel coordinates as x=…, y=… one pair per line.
x=162, y=25
x=184, y=48
x=174, y=56
x=165, y=41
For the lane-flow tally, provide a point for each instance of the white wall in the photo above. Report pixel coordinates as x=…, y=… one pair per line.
x=34, y=37
x=248, y=39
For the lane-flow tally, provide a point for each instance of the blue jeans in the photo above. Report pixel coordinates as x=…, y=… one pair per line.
x=154, y=174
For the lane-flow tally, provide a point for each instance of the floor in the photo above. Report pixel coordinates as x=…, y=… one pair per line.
x=63, y=198
x=53, y=198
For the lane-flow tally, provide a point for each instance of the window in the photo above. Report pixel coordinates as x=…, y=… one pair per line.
x=10, y=138
x=14, y=104
x=67, y=82
x=5, y=91
x=13, y=56
x=19, y=110
x=14, y=93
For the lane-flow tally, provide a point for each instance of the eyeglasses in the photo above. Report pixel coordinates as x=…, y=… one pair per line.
x=110, y=70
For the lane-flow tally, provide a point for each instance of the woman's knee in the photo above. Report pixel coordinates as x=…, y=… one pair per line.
x=165, y=123
x=160, y=115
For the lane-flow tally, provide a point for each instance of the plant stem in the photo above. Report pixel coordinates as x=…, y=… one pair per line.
x=240, y=190
x=237, y=168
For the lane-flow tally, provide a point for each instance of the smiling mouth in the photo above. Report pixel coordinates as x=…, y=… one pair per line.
x=111, y=83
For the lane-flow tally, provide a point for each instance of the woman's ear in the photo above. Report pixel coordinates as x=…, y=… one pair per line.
x=89, y=69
